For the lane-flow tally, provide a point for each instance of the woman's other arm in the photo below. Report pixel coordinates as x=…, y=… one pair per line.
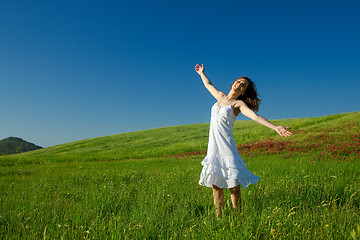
x=207, y=83
x=245, y=110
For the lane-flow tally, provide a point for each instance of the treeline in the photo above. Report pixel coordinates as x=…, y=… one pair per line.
x=13, y=145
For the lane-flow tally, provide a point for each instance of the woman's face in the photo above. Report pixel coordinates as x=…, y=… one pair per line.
x=240, y=85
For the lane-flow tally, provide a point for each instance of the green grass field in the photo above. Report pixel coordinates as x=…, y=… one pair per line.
x=144, y=185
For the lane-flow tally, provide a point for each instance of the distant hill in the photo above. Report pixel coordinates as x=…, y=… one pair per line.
x=12, y=145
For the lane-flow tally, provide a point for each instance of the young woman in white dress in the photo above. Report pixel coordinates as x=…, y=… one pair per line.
x=223, y=167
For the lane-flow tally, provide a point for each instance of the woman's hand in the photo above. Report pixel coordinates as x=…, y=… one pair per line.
x=282, y=131
x=199, y=69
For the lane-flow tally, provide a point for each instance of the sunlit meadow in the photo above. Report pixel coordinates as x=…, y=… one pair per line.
x=144, y=185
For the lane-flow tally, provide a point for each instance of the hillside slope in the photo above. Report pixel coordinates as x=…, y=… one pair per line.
x=174, y=140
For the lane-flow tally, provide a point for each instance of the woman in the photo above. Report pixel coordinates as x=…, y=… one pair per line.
x=223, y=166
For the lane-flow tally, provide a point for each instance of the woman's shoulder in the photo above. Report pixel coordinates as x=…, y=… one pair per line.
x=220, y=96
x=239, y=103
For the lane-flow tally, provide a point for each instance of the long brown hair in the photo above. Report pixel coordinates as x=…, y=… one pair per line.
x=250, y=96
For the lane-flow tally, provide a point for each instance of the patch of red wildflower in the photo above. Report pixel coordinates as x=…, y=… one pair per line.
x=341, y=143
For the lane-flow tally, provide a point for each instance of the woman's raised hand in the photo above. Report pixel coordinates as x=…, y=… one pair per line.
x=199, y=69
x=282, y=131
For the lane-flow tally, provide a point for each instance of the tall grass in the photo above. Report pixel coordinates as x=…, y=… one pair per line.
x=127, y=200
x=300, y=196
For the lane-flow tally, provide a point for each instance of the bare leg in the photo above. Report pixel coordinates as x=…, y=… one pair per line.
x=236, y=198
x=218, y=194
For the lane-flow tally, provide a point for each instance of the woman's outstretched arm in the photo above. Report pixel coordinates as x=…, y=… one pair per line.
x=207, y=83
x=245, y=110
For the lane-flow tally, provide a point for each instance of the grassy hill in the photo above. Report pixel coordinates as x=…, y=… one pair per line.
x=144, y=185
x=177, y=139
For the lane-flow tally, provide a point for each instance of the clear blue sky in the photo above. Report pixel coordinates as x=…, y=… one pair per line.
x=72, y=70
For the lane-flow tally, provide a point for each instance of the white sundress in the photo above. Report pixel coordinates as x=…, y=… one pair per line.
x=223, y=165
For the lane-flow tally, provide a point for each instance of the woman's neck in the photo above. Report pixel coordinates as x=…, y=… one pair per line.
x=232, y=95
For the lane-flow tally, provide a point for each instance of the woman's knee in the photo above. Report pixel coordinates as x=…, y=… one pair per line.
x=216, y=187
x=235, y=189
